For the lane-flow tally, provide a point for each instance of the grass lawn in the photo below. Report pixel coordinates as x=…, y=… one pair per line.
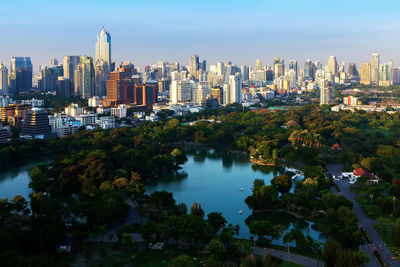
x=290, y=264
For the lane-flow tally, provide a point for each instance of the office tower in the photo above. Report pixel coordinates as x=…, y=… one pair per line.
x=235, y=87
x=3, y=79
x=395, y=75
x=270, y=75
x=245, y=72
x=102, y=74
x=103, y=61
x=181, y=91
x=332, y=65
x=36, y=123
x=279, y=67
x=226, y=94
x=293, y=65
x=194, y=64
x=375, y=69
x=258, y=65
x=327, y=93
x=85, y=78
x=202, y=92
x=385, y=71
x=49, y=78
x=149, y=93
x=220, y=68
x=318, y=65
x=70, y=63
x=20, y=74
x=53, y=61
x=308, y=70
x=163, y=85
x=204, y=65
x=63, y=87
x=353, y=70
x=103, y=46
x=120, y=87
x=217, y=93
x=365, y=73
x=342, y=67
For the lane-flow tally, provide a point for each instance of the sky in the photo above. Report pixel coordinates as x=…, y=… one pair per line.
x=146, y=31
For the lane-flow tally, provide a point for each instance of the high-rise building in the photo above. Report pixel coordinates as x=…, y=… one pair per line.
x=375, y=68
x=85, y=78
x=182, y=91
x=385, y=71
x=103, y=61
x=395, y=75
x=308, y=70
x=353, y=70
x=279, y=67
x=70, y=63
x=332, y=65
x=327, y=93
x=217, y=93
x=202, y=92
x=235, y=87
x=20, y=74
x=194, y=65
x=3, y=79
x=258, y=65
x=103, y=46
x=365, y=73
x=245, y=72
x=49, y=78
x=120, y=87
x=53, y=61
x=293, y=65
x=36, y=123
x=63, y=87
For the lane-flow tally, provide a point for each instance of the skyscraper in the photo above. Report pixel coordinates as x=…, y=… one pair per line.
x=3, y=79
x=36, y=123
x=85, y=78
x=332, y=65
x=70, y=63
x=245, y=72
x=103, y=61
x=353, y=70
x=308, y=70
x=365, y=73
x=258, y=65
x=385, y=71
x=20, y=74
x=375, y=69
x=194, y=65
x=293, y=65
x=235, y=89
x=103, y=46
x=279, y=67
x=327, y=93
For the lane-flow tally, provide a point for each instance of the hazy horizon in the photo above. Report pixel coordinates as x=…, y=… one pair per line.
x=239, y=31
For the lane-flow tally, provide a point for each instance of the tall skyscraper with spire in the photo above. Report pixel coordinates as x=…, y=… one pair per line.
x=103, y=61
x=103, y=46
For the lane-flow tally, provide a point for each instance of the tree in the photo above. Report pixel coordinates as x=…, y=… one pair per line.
x=330, y=251
x=182, y=261
x=216, y=249
x=260, y=228
x=196, y=210
x=282, y=183
x=216, y=221
x=396, y=231
x=257, y=184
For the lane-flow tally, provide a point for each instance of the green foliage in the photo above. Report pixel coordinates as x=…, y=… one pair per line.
x=182, y=261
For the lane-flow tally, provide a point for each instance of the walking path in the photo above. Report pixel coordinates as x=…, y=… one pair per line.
x=295, y=258
x=365, y=222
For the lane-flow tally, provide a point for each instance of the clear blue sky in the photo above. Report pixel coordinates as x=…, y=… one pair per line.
x=241, y=31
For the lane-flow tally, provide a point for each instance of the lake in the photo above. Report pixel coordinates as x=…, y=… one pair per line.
x=15, y=180
x=214, y=179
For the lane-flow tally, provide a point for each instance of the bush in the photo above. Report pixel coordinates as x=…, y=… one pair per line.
x=366, y=236
x=380, y=259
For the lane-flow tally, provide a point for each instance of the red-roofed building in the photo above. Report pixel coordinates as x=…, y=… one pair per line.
x=359, y=172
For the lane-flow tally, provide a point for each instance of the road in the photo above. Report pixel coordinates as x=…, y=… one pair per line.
x=365, y=222
x=295, y=258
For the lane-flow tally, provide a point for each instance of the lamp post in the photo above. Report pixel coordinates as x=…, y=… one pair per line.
x=394, y=205
x=371, y=197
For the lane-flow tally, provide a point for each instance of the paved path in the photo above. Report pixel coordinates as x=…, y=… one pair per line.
x=365, y=222
x=295, y=258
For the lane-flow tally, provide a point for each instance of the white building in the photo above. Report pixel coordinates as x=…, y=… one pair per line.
x=106, y=122
x=87, y=119
x=181, y=91
x=95, y=101
x=201, y=93
x=327, y=93
x=55, y=123
x=235, y=87
x=3, y=79
x=103, y=46
x=119, y=112
x=35, y=103
x=73, y=110
x=103, y=110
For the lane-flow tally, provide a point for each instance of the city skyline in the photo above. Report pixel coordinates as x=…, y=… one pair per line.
x=215, y=31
